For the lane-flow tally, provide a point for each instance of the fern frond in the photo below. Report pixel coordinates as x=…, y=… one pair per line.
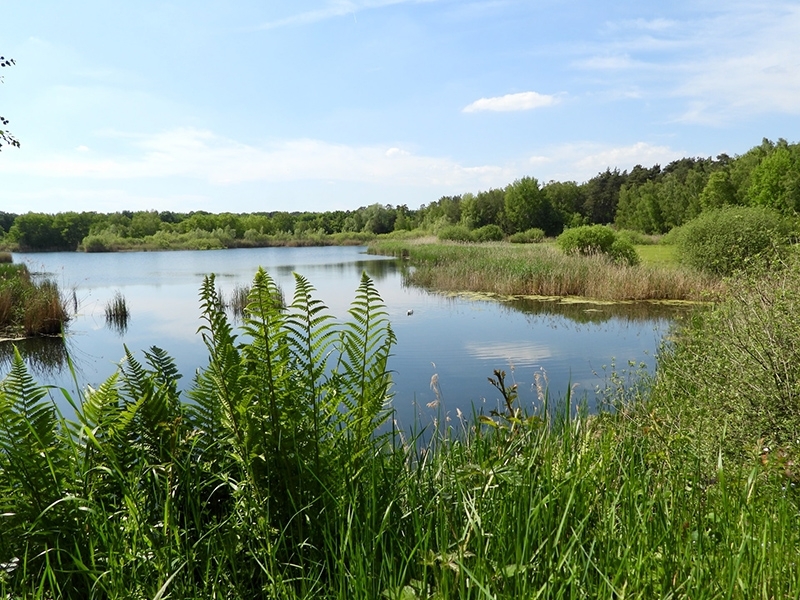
x=366, y=343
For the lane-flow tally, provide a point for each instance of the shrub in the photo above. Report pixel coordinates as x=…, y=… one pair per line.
x=587, y=239
x=598, y=239
x=733, y=238
x=623, y=252
x=455, y=233
x=732, y=377
x=529, y=236
x=488, y=233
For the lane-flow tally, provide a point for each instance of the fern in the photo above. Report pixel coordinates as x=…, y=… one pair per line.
x=311, y=336
x=366, y=343
x=30, y=440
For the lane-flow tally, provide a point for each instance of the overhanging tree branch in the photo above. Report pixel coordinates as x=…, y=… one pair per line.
x=5, y=136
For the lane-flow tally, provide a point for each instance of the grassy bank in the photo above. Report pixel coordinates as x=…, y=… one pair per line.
x=28, y=307
x=542, y=270
x=269, y=481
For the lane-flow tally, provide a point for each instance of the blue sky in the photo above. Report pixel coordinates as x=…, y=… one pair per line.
x=334, y=104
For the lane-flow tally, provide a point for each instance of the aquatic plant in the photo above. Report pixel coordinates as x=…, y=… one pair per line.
x=117, y=313
x=29, y=307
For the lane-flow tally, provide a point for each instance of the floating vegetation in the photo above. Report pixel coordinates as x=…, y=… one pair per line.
x=117, y=313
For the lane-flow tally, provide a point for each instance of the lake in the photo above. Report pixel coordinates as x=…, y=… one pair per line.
x=460, y=340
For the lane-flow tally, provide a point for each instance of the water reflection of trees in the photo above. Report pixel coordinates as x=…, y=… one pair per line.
x=42, y=355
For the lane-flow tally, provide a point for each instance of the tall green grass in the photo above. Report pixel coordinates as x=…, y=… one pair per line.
x=270, y=480
x=542, y=270
x=29, y=307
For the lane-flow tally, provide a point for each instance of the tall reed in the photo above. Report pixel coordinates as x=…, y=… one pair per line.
x=541, y=270
x=29, y=307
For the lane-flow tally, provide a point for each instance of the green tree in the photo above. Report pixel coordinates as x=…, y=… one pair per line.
x=775, y=182
x=527, y=207
x=36, y=231
x=602, y=195
x=566, y=198
x=73, y=227
x=719, y=191
x=485, y=208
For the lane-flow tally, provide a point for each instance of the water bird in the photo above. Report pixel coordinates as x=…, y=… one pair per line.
x=410, y=311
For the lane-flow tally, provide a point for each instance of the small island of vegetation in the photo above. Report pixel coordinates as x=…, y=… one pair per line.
x=28, y=307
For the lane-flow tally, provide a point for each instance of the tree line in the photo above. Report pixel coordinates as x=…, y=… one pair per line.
x=651, y=200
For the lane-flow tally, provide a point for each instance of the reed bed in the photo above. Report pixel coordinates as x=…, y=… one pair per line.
x=541, y=270
x=117, y=312
x=28, y=307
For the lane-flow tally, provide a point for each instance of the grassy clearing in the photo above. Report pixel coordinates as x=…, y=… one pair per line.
x=270, y=482
x=658, y=254
x=544, y=271
x=28, y=307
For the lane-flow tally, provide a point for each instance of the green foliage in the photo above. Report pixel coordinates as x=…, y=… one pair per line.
x=726, y=240
x=28, y=307
x=455, y=233
x=775, y=182
x=529, y=236
x=591, y=240
x=623, y=252
x=731, y=381
x=488, y=233
x=527, y=206
x=271, y=481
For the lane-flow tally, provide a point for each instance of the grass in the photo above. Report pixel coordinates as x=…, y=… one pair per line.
x=542, y=270
x=117, y=312
x=28, y=307
x=658, y=254
x=269, y=481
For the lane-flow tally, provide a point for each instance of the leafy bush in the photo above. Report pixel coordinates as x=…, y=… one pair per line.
x=597, y=239
x=729, y=239
x=623, y=252
x=587, y=239
x=732, y=378
x=529, y=236
x=488, y=233
x=455, y=233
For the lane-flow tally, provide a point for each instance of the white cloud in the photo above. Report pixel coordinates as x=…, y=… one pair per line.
x=518, y=354
x=582, y=161
x=512, y=102
x=202, y=155
x=734, y=61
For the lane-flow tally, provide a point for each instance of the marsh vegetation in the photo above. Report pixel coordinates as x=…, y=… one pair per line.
x=542, y=270
x=29, y=307
x=271, y=477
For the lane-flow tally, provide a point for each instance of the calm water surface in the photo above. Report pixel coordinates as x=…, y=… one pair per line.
x=458, y=339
